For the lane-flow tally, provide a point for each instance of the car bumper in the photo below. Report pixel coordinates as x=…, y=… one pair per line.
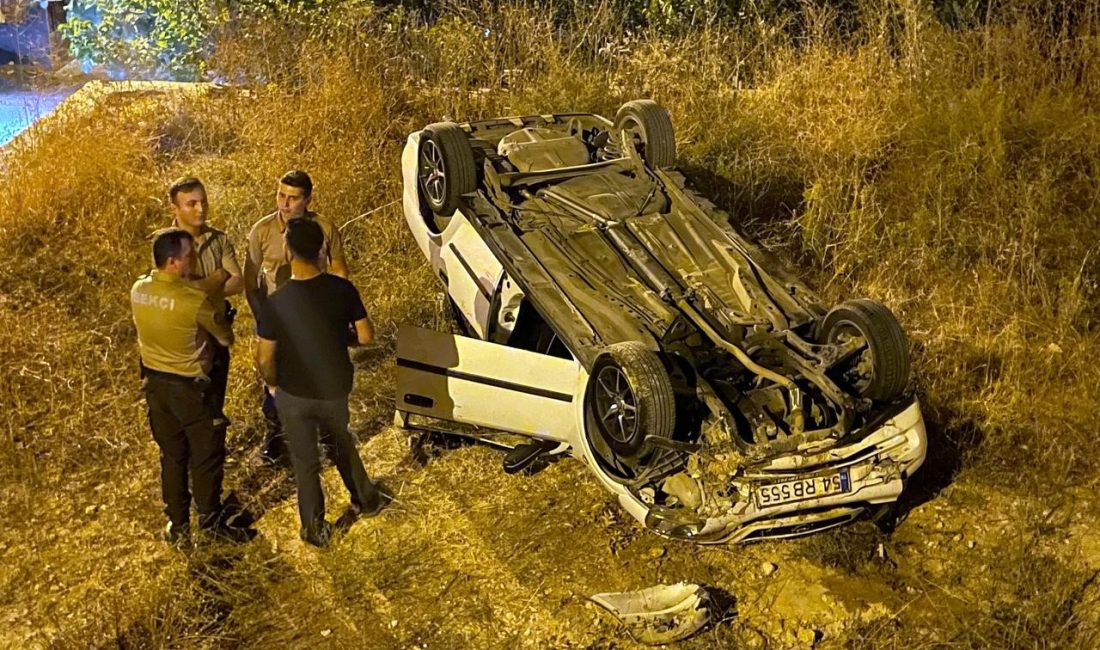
x=877, y=468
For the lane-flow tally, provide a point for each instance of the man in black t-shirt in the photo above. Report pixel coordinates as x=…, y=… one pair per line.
x=302, y=351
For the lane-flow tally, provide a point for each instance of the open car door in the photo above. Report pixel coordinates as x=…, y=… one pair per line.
x=475, y=382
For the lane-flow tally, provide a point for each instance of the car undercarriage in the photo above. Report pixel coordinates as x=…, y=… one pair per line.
x=707, y=362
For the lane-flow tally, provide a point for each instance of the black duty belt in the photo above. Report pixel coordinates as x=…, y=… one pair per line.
x=170, y=376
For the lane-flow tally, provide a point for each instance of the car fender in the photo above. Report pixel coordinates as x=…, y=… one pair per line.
x=458, y=257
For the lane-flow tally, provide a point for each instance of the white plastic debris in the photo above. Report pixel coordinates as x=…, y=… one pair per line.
x=685, y=488
x=659, y=614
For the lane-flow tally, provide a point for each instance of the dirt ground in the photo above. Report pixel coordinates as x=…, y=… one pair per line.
x=469, y=557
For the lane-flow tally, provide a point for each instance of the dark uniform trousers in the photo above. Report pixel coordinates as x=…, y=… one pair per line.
x=302, y=419
x=274, y=446
x=189, y=445
x=219, y=376
x=219, y=379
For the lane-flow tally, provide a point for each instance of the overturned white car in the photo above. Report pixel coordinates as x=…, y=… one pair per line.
x=612, y=314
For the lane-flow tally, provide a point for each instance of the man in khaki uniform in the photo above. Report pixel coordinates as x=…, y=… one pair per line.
x=175, y=322
x=267, y=269
x=214, y=269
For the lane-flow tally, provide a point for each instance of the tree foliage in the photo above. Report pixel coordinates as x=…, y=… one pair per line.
x=173, y=39
x=161, y=38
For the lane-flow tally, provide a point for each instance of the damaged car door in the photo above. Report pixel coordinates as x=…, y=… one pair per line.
x=460, y=379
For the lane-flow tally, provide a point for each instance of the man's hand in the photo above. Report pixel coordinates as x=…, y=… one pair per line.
x=265, y=361
x=364, y=332
x=213, y=284
x=251, y=280
x=233, y=284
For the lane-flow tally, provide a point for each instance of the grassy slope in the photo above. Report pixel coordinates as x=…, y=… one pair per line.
x=951, y=175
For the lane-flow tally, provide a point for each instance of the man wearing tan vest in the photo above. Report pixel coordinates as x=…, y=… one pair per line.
x=267, y=269
x=214, y=269
x=176, y=327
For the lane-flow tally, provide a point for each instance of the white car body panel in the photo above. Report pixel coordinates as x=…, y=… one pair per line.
x=490, y=385
x=472, y=272
x=487, y=384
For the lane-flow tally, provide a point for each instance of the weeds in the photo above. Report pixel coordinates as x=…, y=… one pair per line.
x=950, y=173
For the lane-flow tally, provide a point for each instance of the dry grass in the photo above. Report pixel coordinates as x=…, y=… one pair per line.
x=951, y=174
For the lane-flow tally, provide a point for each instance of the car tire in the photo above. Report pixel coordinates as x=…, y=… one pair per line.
x=651, y=127
x=630, y=397
x=445, y=167
x=886, y=342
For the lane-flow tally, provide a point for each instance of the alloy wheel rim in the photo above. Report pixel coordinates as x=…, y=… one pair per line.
x=616, y=406
x=433, y=176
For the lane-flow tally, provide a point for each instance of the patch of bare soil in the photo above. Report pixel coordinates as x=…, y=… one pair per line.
x=468, y=556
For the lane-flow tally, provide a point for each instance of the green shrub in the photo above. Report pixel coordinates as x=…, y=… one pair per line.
x=172, y=39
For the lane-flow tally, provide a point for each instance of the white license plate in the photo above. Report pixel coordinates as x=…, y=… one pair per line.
x=814, y=487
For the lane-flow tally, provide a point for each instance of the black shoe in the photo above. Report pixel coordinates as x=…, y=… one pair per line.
x=178, y=535
x=230, y=533
x=374, y=504
x=234, y=514
x=318, y=534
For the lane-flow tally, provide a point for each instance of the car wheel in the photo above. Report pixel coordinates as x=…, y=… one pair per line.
x=630, y=397
x=445, y=167
x=648, y=125
x=880, y=369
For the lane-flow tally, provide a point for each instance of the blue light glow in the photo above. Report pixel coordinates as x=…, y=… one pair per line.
x=21, y=108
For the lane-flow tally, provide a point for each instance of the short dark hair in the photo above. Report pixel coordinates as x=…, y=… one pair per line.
x=304, y=237
x=300, y=179
x=184, y=184
x=168, y=243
